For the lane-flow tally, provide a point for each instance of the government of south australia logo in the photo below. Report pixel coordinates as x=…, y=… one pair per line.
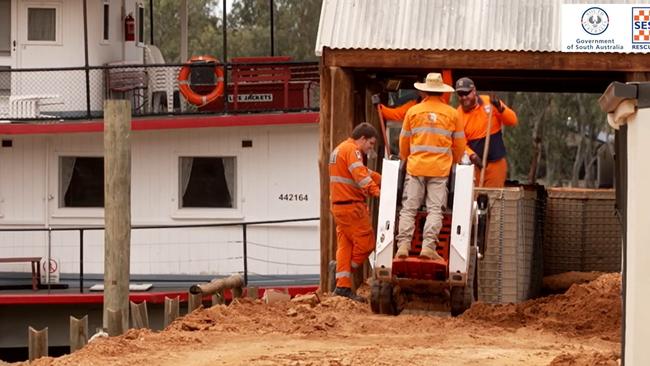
x=595, y=21
x=640, y=25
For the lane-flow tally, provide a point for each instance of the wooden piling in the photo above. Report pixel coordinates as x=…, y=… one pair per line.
x=117, y=210
x=37, y=343
x=194, y=301
x=139, y=315
x=78, y=333
x=115, y=323
x=253, y=292
x=171, y=310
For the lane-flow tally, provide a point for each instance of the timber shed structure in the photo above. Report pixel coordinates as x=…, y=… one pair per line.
x=368, y=47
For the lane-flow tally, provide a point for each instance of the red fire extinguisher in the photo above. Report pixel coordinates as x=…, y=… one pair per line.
x=129, y=28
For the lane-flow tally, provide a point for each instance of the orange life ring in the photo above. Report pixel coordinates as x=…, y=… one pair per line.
x=189, y=94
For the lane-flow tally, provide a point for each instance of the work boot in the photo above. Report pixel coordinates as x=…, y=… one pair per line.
x=428, y=253
x=347, y=292
x=402, y=251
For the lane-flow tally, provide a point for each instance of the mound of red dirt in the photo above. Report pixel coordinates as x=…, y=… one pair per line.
x=592, y=310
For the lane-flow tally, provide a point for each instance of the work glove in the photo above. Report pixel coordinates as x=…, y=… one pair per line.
x=496, y=102
x=476, y=160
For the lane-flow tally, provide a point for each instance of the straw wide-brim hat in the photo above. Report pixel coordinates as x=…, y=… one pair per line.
x=433, y=83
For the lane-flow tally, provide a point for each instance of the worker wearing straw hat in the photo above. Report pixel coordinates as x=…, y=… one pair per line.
x=432, y=139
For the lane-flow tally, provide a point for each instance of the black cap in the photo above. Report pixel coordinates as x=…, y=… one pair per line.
x=464, y=84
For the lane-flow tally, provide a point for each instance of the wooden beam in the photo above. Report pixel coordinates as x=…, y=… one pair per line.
x=637, y=76
x=117, y=208
x=323, y=164
x=489, y=60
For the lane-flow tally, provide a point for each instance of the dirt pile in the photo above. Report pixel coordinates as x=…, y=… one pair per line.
x=247, y=316
x=588, y=359
x=559, y=283
x=338, y=331
x=592, y=310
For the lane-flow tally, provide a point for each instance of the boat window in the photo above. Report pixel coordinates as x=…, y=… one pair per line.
x=42, y=23
x=140, y=24
x=106, y=20
x=207, y=182
x=81, y=181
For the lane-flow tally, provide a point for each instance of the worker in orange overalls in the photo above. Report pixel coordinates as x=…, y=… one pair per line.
x=351, y=182
x=474, y=111
x=432, y=139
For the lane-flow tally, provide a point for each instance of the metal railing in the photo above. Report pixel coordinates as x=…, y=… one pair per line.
x=73, y=93
x=82, y=230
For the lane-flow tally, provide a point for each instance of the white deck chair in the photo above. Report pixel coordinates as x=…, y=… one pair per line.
x=161, y=79
x=29, y=106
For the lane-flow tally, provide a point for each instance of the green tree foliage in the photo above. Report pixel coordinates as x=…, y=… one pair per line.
x=295, y=28
x=566, y=127
x=204, y=28
x=248, y=26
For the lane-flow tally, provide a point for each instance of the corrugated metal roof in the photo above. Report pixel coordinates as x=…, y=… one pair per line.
x=504, y=25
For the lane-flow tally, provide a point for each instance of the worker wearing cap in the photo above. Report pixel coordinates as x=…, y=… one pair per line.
x=351, y=182
x=431, y=140
x=474, y=111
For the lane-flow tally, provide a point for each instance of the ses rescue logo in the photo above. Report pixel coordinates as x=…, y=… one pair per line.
x=641, y=28
x=605, y=28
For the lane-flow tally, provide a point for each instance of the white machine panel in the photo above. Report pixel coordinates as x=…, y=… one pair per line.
x=461, y=219
x=383, y=255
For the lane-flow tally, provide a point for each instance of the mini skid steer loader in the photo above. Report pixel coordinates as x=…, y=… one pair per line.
x=449, y=284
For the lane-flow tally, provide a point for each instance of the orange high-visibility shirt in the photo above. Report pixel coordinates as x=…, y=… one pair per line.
x=396, y=113
x=432, y=138
x=475, y=121
x=350, y=179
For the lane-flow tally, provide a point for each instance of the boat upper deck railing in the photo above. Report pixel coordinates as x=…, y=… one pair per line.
x=244, y=85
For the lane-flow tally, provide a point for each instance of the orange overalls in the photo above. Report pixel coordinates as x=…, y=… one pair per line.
x=475, y=122
x=350, y=183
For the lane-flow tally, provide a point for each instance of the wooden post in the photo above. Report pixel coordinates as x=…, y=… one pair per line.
x=236, y=292
x=194, y=301
x=115, y=323
x=171, y=310
x=323, y=164
x=342, y=119
x=117, y=209
x=38, y=343
x=253, y=292
x=78, y=333
x=139, y=315
x=218, y=299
